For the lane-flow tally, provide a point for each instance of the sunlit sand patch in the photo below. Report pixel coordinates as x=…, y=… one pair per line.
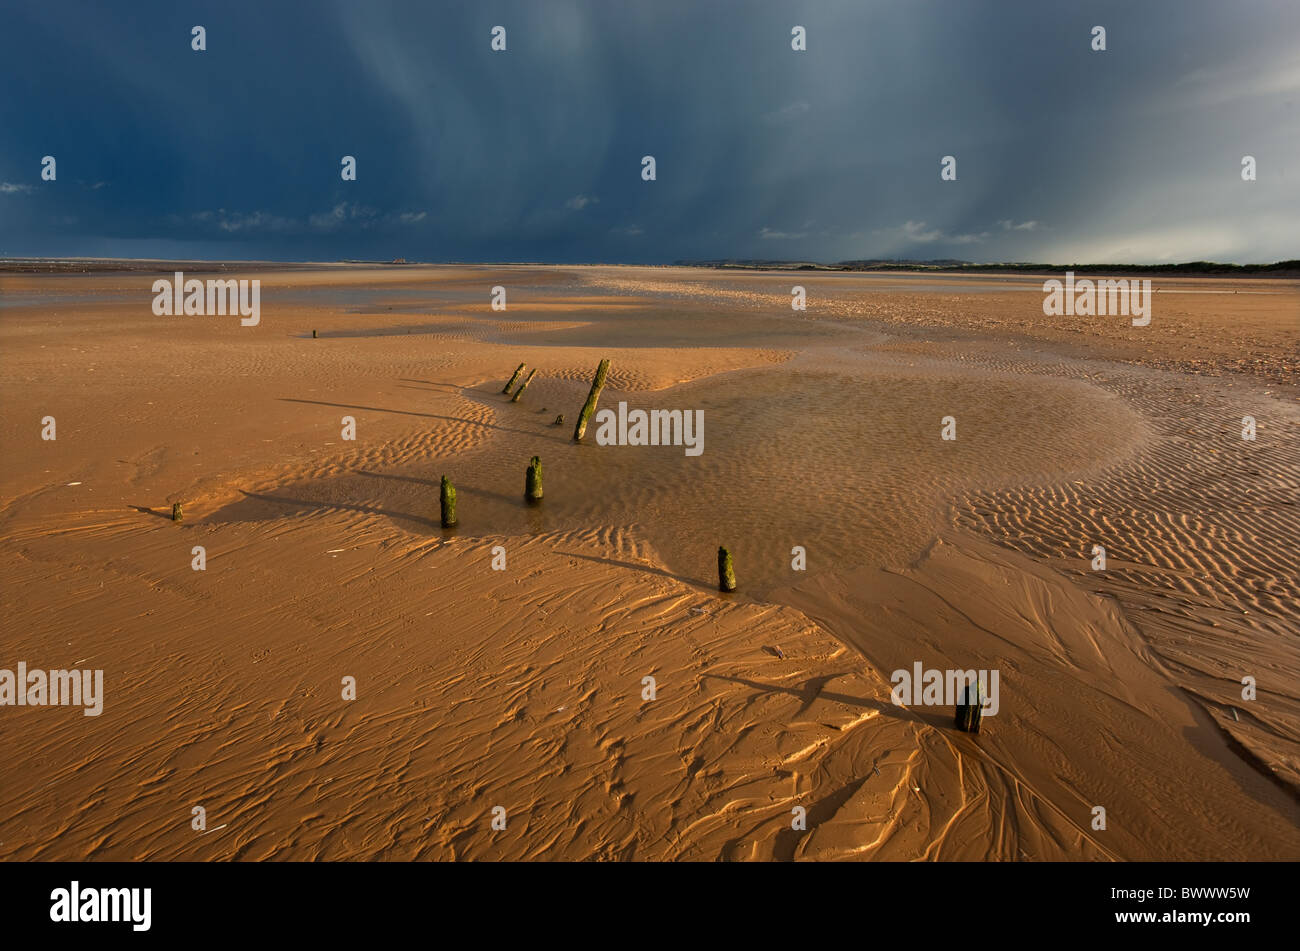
x=523, y=687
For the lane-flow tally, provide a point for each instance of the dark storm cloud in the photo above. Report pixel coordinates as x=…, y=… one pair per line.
x=1063, y=154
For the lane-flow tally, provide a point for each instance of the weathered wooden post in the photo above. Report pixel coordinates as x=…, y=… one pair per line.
x=518, y=372
x=970, y=708
x=313, y=335
x=589, y=407
x=523, y=386
x=177, y=514
x=447, y=502
x=726, y=572
x=533, y=480
x=559, y=420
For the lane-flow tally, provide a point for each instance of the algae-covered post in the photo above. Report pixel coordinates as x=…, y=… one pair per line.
x=726, y=572
x=970, y=708
x=589, y=407
x=523, y=386
x=177, y=514
x=518, y=372
x=447, y=502
x=533, y=480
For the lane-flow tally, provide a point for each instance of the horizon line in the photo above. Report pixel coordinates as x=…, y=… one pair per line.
x=852, y=264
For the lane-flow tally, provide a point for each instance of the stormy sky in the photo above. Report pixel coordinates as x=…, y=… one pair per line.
x=1064, y=155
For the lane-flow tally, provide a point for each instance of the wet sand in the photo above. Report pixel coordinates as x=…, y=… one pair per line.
x=524, y=688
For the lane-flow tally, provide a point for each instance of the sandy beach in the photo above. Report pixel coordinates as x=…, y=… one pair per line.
x=525, y=688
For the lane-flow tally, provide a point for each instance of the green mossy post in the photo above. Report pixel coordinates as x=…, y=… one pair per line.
x=589, y=407
x=313, y=335
x=533, y=480
x=559, y=420
x=726, y=571
x=523, y=386
x=970, y=708
x=518, y=372
x=447, y=501
x=177, y=514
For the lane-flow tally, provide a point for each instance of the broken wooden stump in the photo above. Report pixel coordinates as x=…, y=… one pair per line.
x=589, y=407
x=447, y=502
x=533, y=480
x=523, y=386
x=970, y=708
x=518, y=372
x=726, y=571
x=177, y=514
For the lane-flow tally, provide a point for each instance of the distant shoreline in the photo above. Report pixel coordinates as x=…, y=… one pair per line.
x=1187, y=269
x=1281, y=269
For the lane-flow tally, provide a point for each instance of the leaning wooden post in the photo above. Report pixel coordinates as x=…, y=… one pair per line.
x=523, y=386
x=447, y=501
x=559, y=420
x=726, y=572
x=533, y=481
x=518, y=372
x=589, y=407
x=970, y=708
x=177, y=514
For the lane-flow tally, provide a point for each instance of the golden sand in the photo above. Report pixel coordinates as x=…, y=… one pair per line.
x=524, y=688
